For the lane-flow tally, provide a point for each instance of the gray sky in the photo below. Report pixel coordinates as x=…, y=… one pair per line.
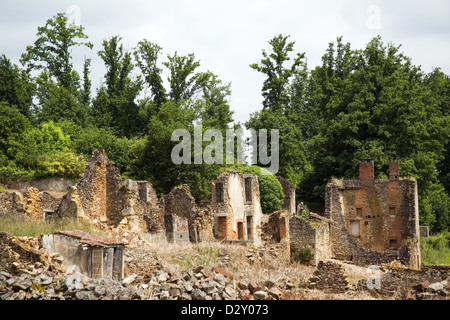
x=227, y=36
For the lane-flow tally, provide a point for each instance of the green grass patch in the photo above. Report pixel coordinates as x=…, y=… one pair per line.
x=435, y=250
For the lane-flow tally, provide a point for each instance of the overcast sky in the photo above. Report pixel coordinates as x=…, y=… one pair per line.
x=227, y=36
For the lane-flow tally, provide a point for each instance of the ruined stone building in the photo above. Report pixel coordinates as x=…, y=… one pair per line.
x=236, y=207
x=312, y=234
x=184, y=220
x=366, y=221
x=374, y=221
x=96, y=257
x=104, y=196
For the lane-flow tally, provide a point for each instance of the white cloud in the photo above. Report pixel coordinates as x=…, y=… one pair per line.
x=227, y=36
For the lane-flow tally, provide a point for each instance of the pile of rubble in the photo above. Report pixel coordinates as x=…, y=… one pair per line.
x=200, y=283
x=28, y=272
x=46, y=285
x=207, y=283
x=330, y=277
x=23, y=255
x=399, y=282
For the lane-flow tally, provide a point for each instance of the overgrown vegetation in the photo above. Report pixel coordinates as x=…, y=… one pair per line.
x=20, y=226
x=303, y=255
x=369, y=102
x=271, y=191
x=435, y=250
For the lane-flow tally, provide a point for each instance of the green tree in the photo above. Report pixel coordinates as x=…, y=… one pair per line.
x=146, y=56
x=374, y=103
x=184, y=82
x=16, y=87
x=57, y=103
x=14, y=123
x=278, y=75
x=58, y=86
x=52, y=50
x=116, y=103
x=216, y=111
x=155, y=161
x=281, y=92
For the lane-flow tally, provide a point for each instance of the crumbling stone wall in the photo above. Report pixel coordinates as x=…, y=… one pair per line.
x=429, y=283
x=104, y=196
x=375, y=221
x=30, y=202
x=275, y=233
x=184, y=220
x=329, y=277
x=289, y=195
x=70, y=206
x=6, y=203
x=312, y=235
x=99, y=188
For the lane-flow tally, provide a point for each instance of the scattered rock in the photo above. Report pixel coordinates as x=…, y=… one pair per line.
x=260, y=295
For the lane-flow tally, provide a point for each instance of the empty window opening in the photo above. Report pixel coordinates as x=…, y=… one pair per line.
x=219, y=192
x=355, y=228
x=240, y=229
x=248, y=189
x=250, y=228
x=392, y=211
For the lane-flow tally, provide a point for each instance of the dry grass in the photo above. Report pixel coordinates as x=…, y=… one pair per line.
x=179, y=257
x=183, y=256
x=19, y=225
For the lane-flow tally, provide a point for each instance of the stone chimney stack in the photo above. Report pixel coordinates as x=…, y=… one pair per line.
x=394, y=170
x=366, y=172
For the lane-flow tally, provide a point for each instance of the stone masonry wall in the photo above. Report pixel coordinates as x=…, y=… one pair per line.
x=312, y=235
x=104, y=196
x=375, y=221
x=289, y=195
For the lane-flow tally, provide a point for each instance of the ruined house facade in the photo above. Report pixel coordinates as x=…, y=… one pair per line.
x=236, y=207
x=184, y=220
x=104, y=196
x=374, y=221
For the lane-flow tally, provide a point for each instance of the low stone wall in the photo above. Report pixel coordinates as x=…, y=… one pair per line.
x=329, y=277
x=405, y=283
x=47, y=184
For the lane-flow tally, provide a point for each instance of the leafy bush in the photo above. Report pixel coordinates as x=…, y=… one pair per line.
x=270, y=189
x=12, y=172
x=117, y=149
x=60, y=164
x=304, y=255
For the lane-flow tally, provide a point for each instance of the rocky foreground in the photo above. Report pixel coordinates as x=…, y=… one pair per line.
x=195, y=284
x=28, y=272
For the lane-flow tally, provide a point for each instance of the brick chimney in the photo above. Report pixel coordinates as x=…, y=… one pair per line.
x=394, y=170
x=366, y=171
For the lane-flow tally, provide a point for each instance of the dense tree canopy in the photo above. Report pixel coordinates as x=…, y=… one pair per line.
x=359, y=103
